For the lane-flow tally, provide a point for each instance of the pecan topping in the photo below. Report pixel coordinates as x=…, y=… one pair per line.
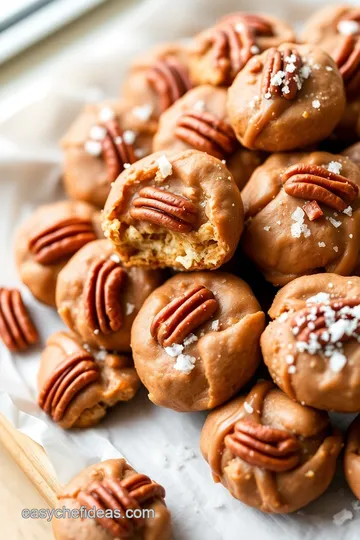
x=170, y=80
x=259, y=25
x=263, y=446
x=316, y=183
x=183, y=315
x=207, y=133
x=61, y=240
x=66, y=382
x=102, y=296
x=120, y=496
x=282, y=73
x=315, y=322
x=16, y=328
x=347, y=58
x=232, y=46
x=116, y=152
x=166, y=209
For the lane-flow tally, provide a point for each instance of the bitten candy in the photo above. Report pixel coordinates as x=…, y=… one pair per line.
x=352, y=457
x=302, y=216
x=181, y=210
x=103, y=140
x=286, y=98
x=311, y=347
x=77, y=386
x=198, y=120
x=111, y=489
x=98, y=298
x=219, y=53
x=270, y=452
x=195, y=341
x=48, y=239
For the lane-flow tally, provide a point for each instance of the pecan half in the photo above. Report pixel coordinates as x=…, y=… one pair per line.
x=231, y=46
x=183, y=315
x=120, y=496
x=61, y=240
x=263, y=446
x=347, y=58
x=313, y=182
x=17, y=331
x=311, y=322
x=166, y=209
x=66, y=382
x=207, y=133
x=282, y=73
x=116, y=152
x=102, y=296
x=259, y=25
x=170, y=80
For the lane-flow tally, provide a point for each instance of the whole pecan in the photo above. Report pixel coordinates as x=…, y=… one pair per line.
x=170, y=80
x=347, y=58
x=120, y=496
x=102, y=296
x=282, y=73
x=231, y=46
x=312, y=182
x=16, y=328
x=115, y=150
x=207, y=133
x=311, y=322
x=257, y=23
x=166, y=209
x=263, y=446
x=68, y=379
x=183, y=315
x=61, y=240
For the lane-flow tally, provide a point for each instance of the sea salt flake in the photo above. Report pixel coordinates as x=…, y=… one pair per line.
x=106, y=114
x=97, y=133
x=129, y=308
x=348, y=211
x=254, y=49
x=143, y=112
x=292, y=369
x=199, y=105
x=191, y=338
x=305, y=71
x=321, y=244
x=351, y=235
x=320, y=298
x=335, y=223
x=316, y=104
x=298, y=215
x=174, y=350
x=215, y=325
x=290, y=359
x=336, y=249
x=329, y=68
x=267, y=228
x=127, y=165
x=185, y=363
x=248, y=408
x=165, y=166
x=115, y=258
x=267, y=95
x=337, y=362
x=93, y=148
x=348, y=28
x=342, y=517
x=129, y=136
x=334, y=166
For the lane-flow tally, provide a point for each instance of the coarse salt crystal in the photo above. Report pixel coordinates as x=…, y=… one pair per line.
x=305, y=72
x=199, y=105
x=321, y=244
x=337, y=362
x=267, y=228
x=127, y=165
x=115, y=258
x=334, y=166
x=289, y=359
x=215, y=325
x=93, y=148
x=191, y=338
x=329, y=68
x=248, y=408
x=348, y=28
x=292, y=369
x=97, y=133
x=143, y=112
x=129, y=308
x=267, y=95
x=320, y=298
x=96, y=332
x=336, y=249
x=129, y=136
x=254, y=49
x=165, y=166
x=174, y=350
x=348, y=211
x=185, y=363
x=341, y=517
x=334, y=223
x=316, y=104
x=106, y=114
x=351, y=235
x=298, y=215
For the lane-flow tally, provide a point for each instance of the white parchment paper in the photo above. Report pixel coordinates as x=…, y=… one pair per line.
x=159, y=442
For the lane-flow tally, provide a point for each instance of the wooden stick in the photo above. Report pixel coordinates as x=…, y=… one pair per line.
x=32, y=459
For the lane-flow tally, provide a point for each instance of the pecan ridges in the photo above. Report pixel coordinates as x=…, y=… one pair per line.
x=68, y=379
x=102, y=296
x=120, y=496
x=116, y=152
x=276, y=64
x=17, y=331
x=318, y=329
x=183, y=315
x=169, y=80
x=61, y=240
x=316, y=183
x=166, y=209
x=259, y=25
x=262, y=446
x=207, y=133
x=347, y=58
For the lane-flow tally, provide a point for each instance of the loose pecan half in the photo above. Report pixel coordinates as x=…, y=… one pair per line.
x=207, y=133
x=170, y=80
x=61, y=240
x=347, y=58
x=17, y=331
x=116, y=152
x=231, y=46
x=183, y=315
x=119, y=496
x=263, y=446
x=259, y=25
x=166, y=209
x=68, y=379
x=316, y=183
x=313, y=321
x=102, y=296
x=282, y=73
